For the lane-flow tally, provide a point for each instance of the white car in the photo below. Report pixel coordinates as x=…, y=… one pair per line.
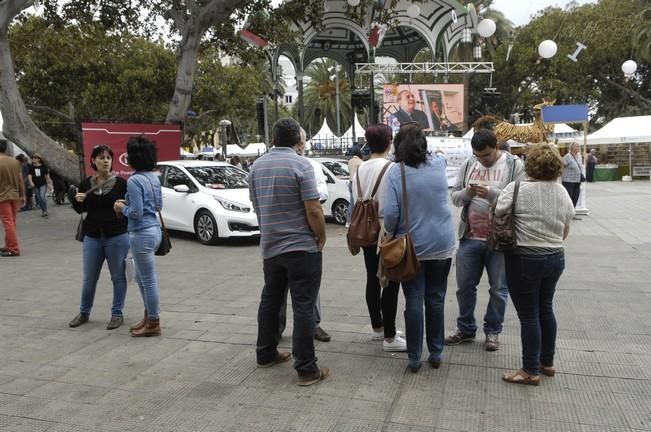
x=337, y=177
x=209, y=199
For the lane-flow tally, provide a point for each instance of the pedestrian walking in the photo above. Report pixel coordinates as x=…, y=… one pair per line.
x=12, y=196
x=573, y=172
x=39, y=179
x=541, y=219
x=140, y=206
x=480, y=180
x=292, y=228
x=104, y=234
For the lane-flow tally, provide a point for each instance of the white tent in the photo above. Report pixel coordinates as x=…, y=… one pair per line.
x=324, y=138
x=251, y=150
x=623, y=130
x=347, y=137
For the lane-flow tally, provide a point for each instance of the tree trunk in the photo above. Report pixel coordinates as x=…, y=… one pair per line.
x=19, y=127
x=186, y=65
x=192, y=27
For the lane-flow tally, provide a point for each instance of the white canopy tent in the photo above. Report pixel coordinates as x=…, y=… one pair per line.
x=347, y=137
x=623, y=130
x=324, y=138
x=251, y=150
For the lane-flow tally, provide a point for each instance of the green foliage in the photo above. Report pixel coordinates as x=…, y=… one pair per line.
x=88, y=74
x=321, y=97
x=596, y=79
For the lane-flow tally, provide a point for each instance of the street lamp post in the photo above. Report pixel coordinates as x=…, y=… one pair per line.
x=337, y=96
x=224, y=124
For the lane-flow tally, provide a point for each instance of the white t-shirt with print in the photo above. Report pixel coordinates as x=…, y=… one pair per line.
x=496, y=176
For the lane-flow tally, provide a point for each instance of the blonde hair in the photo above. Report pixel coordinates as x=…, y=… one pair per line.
x=543, y=162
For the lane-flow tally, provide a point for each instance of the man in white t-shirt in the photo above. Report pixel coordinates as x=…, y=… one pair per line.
x=480, y=180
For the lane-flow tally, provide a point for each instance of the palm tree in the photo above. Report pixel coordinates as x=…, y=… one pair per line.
x=321, y=96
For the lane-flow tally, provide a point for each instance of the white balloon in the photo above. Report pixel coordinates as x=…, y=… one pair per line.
x=486, y=28
x=413, y=11
x=353, y=3
x=629, y=67
x=547, y=49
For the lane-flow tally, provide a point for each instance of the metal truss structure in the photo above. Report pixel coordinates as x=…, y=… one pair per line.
x=430, y=68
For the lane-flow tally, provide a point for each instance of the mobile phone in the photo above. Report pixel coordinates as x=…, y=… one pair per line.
x=473, y=182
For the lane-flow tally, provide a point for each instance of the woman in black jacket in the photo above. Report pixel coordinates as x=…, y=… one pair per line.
x=105, y=235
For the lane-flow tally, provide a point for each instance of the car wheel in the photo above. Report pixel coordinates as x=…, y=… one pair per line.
x=205, y=227
x=340, y=211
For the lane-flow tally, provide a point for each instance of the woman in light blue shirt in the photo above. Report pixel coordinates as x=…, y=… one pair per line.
x=141, y=206
x=432, y=231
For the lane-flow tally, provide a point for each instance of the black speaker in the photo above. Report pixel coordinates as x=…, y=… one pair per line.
x=259, y=110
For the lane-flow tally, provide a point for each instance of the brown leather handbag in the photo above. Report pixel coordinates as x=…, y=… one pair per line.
x=502, y=236
x=397, y=253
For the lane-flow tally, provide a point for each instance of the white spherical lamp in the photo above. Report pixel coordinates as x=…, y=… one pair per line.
x=547, y=49
x=353, y=3
x=629, y=67
x=486, y=28
x=413, y=11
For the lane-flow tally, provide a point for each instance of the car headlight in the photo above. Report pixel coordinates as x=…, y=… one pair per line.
x=232, y=205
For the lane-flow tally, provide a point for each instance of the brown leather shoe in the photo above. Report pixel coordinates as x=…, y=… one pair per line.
x=281, y=357
x=80, y=319
x=151, y=328
x=313, y=378
x=140, y=324
x=115, y=322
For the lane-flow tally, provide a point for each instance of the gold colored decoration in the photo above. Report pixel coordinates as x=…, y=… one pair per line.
x=533, y=133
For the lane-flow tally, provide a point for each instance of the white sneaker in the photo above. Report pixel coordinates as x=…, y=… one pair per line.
x=398, y=344
x=379, y=335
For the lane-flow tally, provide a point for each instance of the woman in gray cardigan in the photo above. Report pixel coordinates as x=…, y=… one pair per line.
x=541, y=219
x=573, y=172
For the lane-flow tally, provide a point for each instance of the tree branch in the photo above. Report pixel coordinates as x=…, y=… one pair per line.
x=631, y=92
x=179, y=20
x=9, y=9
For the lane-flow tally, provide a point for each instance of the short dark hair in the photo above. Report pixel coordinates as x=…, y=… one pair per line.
x=543, y=162
x=142, y=153
x=3, y=146
x=21, y=158
x=378, y=137
x=286, y=132
x=483, y=138
x=98, y=150
x=410, y=145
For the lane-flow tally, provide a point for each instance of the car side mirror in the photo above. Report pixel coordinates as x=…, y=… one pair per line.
x=182, y=188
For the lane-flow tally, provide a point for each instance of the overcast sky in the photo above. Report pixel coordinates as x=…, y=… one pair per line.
x=521, y=11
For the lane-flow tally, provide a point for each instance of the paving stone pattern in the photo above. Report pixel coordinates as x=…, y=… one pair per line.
x=201, y=375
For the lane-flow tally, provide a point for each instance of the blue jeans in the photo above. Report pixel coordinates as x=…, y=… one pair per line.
x=301, y=273
x=532, y=283
x=95, y=250
x=40, y=192
x=472, y=257
x=143, y=245
x=429, y=288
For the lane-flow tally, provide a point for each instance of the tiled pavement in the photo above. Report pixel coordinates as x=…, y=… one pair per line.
x=201, y=375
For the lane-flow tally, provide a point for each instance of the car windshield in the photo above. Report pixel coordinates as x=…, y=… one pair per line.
x=340, y=170
x=220, y=177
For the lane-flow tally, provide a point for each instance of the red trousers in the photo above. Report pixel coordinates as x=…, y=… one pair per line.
x=8, y=212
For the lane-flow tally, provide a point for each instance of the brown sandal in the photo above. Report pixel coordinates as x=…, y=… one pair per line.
x=521, y=377
x=549, y=371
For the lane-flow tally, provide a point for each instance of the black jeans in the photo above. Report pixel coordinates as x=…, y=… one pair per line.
x=574, y=190
x=301, y=273
x=532, y=282
x=382, y=303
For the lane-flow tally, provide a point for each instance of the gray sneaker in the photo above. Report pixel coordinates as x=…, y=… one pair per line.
x=492, y=344
x=459, y=338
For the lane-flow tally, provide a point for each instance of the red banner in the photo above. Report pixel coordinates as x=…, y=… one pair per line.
x=115, y=135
